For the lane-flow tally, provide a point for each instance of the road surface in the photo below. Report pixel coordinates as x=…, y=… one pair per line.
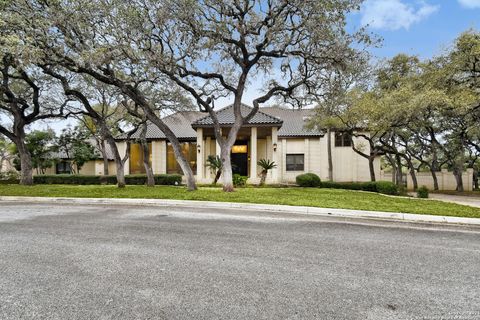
x=121, y=262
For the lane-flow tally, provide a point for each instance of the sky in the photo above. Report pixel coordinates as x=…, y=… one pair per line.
x=418, y=27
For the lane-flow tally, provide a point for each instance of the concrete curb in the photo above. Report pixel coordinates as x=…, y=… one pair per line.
x=408, y=217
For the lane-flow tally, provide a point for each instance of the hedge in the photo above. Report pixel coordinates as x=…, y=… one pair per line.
x=10, y=181
x=385, y=187
x=160, y=179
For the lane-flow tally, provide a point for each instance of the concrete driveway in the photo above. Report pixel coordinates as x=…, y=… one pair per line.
x=465, y=200
x=106, y=262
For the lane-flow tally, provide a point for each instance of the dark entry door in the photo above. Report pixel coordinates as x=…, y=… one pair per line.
x=239, y=158
x=240, y=163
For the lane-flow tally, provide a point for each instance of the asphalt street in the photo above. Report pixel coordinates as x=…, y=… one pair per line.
x=133, y=262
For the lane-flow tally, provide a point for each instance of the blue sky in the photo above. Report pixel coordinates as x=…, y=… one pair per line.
x=417, y=27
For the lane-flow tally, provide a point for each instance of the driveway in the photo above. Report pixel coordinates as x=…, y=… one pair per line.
x=107, y=262
x=465, y=200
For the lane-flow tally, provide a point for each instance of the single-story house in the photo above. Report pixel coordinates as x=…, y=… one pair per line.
x=93, y=167
x=274, y=133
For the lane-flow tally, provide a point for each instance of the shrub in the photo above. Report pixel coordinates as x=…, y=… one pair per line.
x=239, y=181
x=160, y=179
x=384, y=187
x=66, y=179
x=310, y=180
x=422, y=192
x=9, y=177
x=387, y=187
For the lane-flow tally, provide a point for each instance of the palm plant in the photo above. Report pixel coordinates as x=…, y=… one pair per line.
x=214, y=163
x=266, y=165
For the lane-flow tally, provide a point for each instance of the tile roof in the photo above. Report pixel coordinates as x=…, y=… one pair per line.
x=294, y=121
x=291, y=122
x=226, y=117
x=180, y=123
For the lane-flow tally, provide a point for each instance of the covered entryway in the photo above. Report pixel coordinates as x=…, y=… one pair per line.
x=239, y=158
x=256, y=140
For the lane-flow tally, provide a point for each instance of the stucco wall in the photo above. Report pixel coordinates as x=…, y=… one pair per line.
x=348, y=166
x=446, y=180
x=159, y=156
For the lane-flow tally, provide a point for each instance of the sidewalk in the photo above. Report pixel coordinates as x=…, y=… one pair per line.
x=408, y=217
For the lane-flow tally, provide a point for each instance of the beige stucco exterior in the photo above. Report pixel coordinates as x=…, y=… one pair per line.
x=347, y=165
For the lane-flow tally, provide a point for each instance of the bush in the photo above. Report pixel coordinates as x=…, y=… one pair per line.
x=384, y=187
x=310, y=180
x=387, y=187
x=9, y=177
x=239, y=181
x=141, y=179
x=66, y=179
x=422, y=192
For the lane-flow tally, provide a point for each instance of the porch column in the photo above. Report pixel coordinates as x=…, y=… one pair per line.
x=253, y=154
x=275, y=155
x=200, y=154
x=208, y=143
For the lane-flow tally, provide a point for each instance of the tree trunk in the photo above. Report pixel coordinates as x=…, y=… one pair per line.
x=227, y=170
x=263, y=177
x=119, y=164
x=435, y=178
x=399, y=170
x=103, y=148
x=414, y=178
x=371, y=166
x=146, y=164
x=217, y=176
x=177, y=150
x=26, y=170
x=458, y=173
x=394, y=168
x=329, y=154
x=475, y=179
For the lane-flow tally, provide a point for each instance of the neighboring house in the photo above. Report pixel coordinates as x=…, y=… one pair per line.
x=274, y=133
x=92, y=167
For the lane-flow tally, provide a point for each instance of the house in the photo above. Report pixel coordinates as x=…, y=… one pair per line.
x=93, y=167
x=274, y=133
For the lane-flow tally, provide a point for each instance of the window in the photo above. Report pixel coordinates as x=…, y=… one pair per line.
x=63, y=168
x=295, y=162
x=189, y=150
x=343, y=139
x=136, y=158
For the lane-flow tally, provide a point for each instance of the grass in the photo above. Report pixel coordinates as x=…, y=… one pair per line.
x=314, y=197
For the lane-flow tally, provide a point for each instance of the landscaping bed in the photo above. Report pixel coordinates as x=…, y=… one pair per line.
x=296, y=196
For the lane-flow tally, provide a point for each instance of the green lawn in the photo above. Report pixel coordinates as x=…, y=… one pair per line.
x=314, y=197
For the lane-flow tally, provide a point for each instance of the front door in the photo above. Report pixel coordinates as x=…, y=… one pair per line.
x=239, y=158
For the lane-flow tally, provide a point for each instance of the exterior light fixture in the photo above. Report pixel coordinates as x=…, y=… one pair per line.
x=274, y=147
x=198, y=148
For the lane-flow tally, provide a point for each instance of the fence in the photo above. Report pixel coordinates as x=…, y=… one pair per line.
x=446, y=180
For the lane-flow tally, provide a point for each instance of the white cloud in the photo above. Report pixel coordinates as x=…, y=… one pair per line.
x=395, y=14
x=470, y=4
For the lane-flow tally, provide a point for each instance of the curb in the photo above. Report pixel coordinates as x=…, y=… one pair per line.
x=346, y=213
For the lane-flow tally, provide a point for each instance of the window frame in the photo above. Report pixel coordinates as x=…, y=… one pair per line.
x=342, y=139
x=296, y=165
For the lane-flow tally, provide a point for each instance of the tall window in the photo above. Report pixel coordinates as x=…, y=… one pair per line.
x=136, y=158
x=189, y=150
x=295, y=162
x=343, y=139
